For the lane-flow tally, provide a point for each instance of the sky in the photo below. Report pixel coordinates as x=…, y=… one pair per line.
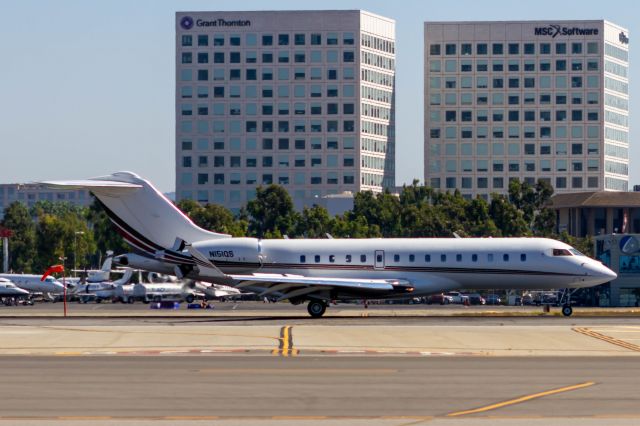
x=87, y=87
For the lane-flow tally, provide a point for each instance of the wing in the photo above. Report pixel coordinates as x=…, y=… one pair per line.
x=287, y=286
x=291, y=286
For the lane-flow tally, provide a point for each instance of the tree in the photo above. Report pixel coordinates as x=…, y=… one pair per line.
x=478, y=220
x=22, y=243
x=314, y=222
x=533, y=202
x=213, y=217
x=271, y=213
x=508, y=219
x=105, y=235
x=382, y=210
x=64, y=234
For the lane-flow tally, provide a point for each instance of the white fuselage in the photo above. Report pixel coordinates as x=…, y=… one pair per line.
x=9, y=289
x=32, y=283
x=430, y=264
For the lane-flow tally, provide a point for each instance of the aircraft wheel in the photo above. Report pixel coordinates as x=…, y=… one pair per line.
x=130, y=301
x=189, y=298
x=567, y=310
x=98, y=300
x=316, y=308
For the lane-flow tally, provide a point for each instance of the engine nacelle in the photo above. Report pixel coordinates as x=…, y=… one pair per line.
x=232, y=255
x=136, y=261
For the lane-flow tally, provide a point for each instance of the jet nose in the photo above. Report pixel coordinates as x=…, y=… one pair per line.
x=598, y=270
x=608, y=273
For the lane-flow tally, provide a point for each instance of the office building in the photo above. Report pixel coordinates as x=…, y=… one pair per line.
x=30, y=194
x=526, y=100
x=303, y=99
x=621, y=253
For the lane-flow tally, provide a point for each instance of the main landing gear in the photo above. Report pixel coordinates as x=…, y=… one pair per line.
x=316, y=308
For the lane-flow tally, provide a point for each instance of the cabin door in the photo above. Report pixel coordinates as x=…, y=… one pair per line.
x=379, y=259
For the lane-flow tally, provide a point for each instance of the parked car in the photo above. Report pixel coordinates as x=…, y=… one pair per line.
x=550, y=298
x=493, y=299
x=457, y=297
x=527, y=299
x=441, y=298
x=476, y=299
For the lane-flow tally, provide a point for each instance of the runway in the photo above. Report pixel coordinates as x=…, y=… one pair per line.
x=395, y=390
x=271, y=370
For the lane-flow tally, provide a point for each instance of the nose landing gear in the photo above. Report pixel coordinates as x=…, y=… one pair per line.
x=565, y=300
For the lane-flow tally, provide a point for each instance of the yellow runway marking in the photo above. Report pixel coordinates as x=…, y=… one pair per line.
x=285, y=346
x=521, y=399
x=608, y=339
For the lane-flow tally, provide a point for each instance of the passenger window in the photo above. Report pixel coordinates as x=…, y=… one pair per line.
x=523, y=257
x=412, y=258
x=396, y=258
x=427, y=258
x=474, y=257
x=443, y=258
x=332, y=258
x=458, y=257
x=303, y=258
x=505, y=257
x=363, y=258
x=378, y=258
x=348, y=258
x=490, y=257
x=317, y=258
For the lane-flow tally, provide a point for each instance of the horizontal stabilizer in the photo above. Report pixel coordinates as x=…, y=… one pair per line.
x=90, y=184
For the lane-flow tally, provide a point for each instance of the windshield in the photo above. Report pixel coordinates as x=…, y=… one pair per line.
x=561, y=252
x=576, y=252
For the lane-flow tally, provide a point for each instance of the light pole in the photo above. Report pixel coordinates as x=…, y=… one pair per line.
x=64, y=286
x=75, y=249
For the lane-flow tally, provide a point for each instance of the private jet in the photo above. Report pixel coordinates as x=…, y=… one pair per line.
x=321, y=270
x=31, y=283
x=9, y=289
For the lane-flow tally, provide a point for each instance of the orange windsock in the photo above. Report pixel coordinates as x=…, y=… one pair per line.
x=51, y=270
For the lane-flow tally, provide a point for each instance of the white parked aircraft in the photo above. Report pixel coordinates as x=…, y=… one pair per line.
x=32, y=283
x=212, y=291
x=105, y=290
x=94, y=275
x=333, y=269
x=9, y=289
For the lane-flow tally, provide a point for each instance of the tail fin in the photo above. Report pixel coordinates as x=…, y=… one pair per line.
x=144, y=217
x=128, y=274
x=104, y=273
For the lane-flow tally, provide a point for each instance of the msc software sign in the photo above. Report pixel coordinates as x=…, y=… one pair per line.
x=622, y=37
x=556, y=30
x=187, y=22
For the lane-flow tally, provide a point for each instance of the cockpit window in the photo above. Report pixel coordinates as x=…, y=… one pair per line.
x=561, y=252
x=576, y=252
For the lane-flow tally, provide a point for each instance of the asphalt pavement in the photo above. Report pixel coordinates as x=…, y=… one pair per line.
x=269, y=364
x=400, y=390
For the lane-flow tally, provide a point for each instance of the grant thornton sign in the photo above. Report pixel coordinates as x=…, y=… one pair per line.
x=187, y=22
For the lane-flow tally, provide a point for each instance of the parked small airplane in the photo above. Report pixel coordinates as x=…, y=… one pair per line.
x=320, y=270
x=94, y=275
x=105, y=290
x=9, y=289
x=32, y=283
